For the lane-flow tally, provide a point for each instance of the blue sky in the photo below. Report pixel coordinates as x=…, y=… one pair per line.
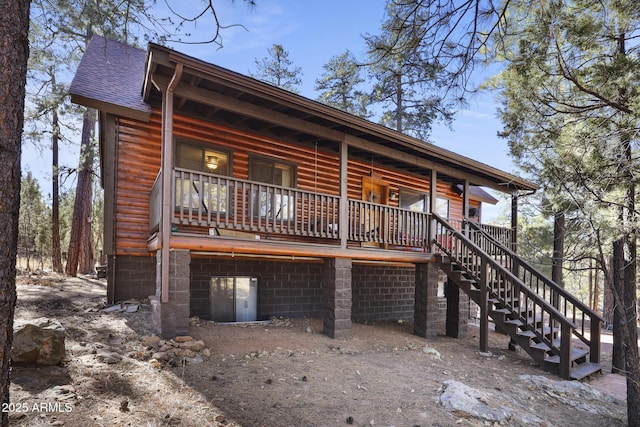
x=312, y=32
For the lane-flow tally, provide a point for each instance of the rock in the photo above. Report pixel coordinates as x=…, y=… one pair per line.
x=113, y=308
x=82, y=348
x=579, y=395
x=131, y=308
x=183, y=338
x=464, y=400
x=432, y=351
x=151, y=341
x=161, y=356
x=39, y=341
x=108, y=357
x=187, y=353
x=206, y=352
x=193, y=345
x=194, y=360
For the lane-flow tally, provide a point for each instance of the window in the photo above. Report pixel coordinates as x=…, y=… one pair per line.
x=273, y=202
x=413, y=200
x=414, y=227
x=208, y=193
x=272, y=172
x=201, y=158
x=442, y=207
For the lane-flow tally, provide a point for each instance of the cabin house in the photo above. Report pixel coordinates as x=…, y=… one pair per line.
x=233, y=200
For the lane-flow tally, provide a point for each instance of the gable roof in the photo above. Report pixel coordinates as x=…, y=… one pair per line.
x=119, y=79
x=109, y=78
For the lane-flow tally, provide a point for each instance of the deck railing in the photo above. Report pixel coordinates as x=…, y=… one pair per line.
x=382, y=224
x=222, y=202
x=217, y=202
x=501, y=234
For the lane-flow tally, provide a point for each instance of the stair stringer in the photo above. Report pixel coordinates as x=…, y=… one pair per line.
x=544, y=344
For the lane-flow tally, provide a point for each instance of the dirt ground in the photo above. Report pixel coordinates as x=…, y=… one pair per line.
x=284, y=373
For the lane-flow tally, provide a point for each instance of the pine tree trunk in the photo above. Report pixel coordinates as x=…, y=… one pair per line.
x=79, y=244
x=85, y=256
x=617, y=359
x=14, y=51
x=558, y=248
x=628, y=308
x=56, y=255
x=626, y=303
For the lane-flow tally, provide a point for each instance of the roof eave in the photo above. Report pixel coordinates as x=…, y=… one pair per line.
x=115, y=109
x=504, y=181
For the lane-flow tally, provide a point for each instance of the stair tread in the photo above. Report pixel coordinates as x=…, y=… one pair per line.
x=526, y=333
x=576, y=353
x=584, y=370
x=540, y=346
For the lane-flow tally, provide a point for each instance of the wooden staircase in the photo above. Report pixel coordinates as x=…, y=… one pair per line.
x=558, y=331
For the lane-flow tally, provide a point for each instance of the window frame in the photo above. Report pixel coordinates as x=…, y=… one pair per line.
x=203, y=146
x=440, y=199
x=276, y=200
x=196, y=201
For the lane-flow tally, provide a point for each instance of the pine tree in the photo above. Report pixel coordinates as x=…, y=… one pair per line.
x=34, y=216
x=14, y=51
x=278, y=70
x=339, y=85
x=407, y=80
x=570, y=109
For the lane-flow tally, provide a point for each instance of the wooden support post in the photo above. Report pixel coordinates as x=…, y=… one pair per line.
x=433, y=199
x=595, y=337
x=514, y=222
x=343, y=221
x=565, y=350
x=515, y=267
x=484, y=306
x=465, y=207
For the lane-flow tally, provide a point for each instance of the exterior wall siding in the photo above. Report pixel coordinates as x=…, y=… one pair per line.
x=138, y=163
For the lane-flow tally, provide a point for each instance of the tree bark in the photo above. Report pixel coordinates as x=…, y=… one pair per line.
x=80, y=247
x=14, y=51
x=558, y=248
x=617, y=360
x=56, y=252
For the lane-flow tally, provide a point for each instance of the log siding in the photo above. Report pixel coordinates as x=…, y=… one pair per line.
x=317, y=170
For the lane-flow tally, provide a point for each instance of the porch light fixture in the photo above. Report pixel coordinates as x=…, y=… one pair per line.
x=393, y=195
x=212, y=162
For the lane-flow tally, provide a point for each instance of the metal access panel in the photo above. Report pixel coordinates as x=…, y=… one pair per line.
x=233, y=299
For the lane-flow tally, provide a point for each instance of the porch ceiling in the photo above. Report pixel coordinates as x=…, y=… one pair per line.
x=216, y=94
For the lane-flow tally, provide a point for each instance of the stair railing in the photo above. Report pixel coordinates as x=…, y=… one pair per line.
x=570, y=307
x=499, y=283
